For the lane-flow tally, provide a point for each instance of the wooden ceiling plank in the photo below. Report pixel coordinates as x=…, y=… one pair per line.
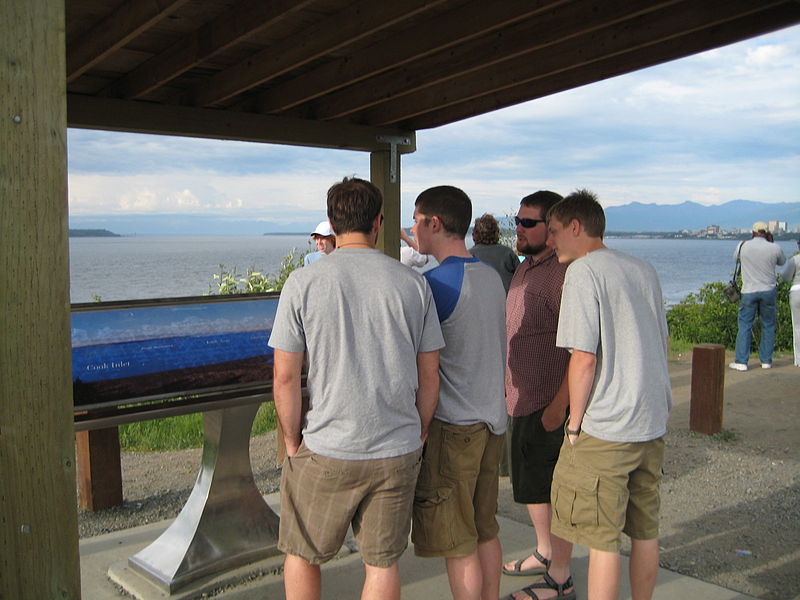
x=442, y=31
x=116, y=30
x=675, y=48
x=564, y=23
x=355, y=22
x=135, y=116
x=232, y=27
x=620, y=38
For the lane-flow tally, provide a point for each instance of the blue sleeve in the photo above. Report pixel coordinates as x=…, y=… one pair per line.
x=446, y=281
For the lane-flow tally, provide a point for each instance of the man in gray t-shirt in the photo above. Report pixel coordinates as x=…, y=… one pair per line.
x=369, y=330
x=759, y=258
x=606, y=480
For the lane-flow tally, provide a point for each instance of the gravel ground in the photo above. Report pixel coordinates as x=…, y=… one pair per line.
x=730, y=502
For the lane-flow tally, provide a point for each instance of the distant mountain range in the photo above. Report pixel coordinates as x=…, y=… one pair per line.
x=737, y=214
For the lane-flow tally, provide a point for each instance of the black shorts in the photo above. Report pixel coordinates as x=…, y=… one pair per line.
x=534, y=453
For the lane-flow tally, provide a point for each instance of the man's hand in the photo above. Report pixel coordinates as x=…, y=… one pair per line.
x=554, y=416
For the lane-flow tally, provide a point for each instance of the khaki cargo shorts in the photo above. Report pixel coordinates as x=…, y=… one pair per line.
x=456, y=497
x=602, y=489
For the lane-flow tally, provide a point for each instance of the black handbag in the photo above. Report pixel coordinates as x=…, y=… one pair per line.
x=731, y=289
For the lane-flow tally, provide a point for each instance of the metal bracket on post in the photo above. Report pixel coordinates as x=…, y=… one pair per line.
x=393, y=141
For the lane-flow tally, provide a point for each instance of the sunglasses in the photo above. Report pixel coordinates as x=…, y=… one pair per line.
x=527, y=223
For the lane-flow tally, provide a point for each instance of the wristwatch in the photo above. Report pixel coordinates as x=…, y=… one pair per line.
x=573, y=431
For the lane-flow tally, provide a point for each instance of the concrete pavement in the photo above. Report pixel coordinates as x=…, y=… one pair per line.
x=104, y=558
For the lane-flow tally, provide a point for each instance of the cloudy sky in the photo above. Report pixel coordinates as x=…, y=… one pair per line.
x=711, y=128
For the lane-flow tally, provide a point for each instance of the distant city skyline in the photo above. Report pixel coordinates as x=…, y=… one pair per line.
x=711, y=128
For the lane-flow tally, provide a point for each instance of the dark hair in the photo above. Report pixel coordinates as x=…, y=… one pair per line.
x=353, y=205
x=486, y=230
x=450, y=204
x=581, y=205
x=543, y=199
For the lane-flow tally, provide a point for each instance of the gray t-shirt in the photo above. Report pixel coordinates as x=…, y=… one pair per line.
x=470, y=301
x=362, y=317
x=759, y=259
x=500, y=257
x=612, y=307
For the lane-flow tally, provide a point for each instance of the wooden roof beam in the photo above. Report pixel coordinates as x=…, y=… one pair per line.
x=237, y=24
x=116, y=30
x=358, y=20
x=620, y=38
x=546, y=29
x=438, y=33
x=697, y=41
x=136, y=116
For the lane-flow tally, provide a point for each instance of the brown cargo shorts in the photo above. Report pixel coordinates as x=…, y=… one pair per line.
x=321, y=497
x=456, y=498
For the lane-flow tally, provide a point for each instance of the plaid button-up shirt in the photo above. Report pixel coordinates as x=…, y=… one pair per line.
x=535, y=367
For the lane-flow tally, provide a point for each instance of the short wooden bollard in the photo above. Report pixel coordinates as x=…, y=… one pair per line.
x=708, y=383
x=99, y=468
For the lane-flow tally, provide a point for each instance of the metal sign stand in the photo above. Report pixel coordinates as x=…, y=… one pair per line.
x=225, y=522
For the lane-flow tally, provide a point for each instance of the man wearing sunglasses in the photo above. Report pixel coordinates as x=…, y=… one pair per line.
x=536, y=385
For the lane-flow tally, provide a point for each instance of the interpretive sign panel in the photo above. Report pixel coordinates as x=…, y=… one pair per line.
x=156, y=349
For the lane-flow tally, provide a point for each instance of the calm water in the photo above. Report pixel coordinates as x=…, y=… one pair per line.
x=130, y=268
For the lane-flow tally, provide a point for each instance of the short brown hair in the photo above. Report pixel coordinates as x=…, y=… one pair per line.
x=486, y=230
x=450, y=204
x=353, y=205
x=581, y=205
x=543, y=200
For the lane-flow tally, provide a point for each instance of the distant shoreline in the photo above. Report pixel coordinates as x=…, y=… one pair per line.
x=92, y=233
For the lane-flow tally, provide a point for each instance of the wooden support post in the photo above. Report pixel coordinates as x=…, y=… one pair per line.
x=708, y=382
x=38, y=507
x=380, y=169
x=99, y=469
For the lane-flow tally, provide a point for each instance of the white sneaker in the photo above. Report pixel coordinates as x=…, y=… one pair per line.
x=738, y=366
x=766, y=365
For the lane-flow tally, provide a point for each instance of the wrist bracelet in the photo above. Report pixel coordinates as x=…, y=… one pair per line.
x=573, y=431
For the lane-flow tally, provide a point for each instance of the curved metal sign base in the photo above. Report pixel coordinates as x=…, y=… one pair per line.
x=225, y=522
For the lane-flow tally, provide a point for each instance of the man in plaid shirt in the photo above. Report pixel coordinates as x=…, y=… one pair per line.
x=537, y=397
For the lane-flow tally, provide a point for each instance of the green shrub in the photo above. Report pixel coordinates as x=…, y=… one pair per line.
x=706, y=317
x=230, y=282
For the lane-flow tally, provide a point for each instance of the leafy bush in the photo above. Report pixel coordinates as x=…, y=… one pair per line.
x=706, y=317
x=230, y=282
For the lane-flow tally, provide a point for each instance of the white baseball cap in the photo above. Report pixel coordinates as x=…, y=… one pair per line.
x=323, y=229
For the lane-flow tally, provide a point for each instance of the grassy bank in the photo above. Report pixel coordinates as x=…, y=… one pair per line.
x=185, y=431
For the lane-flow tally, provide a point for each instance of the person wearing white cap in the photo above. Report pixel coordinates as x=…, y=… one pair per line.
x=759, y=257
x=326, y=242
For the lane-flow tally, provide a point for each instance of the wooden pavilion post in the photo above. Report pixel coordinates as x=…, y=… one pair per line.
x=38, y=512
x=388, y=181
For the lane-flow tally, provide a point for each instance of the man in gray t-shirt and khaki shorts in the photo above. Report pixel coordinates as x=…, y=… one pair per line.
x=606, y=481
x=369, y=329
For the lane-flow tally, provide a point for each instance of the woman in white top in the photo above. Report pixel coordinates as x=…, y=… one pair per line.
x=791, y=272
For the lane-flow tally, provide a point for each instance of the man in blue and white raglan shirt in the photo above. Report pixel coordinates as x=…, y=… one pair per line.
x=456, y=496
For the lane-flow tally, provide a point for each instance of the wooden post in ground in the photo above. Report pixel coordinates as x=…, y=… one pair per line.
x=99, y=468
x=708, y=383
x=388, y=182
x=38, y=508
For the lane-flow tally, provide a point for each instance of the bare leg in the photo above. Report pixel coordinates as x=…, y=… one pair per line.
x=301, y=579
x=491, y=557
x=540, y=515
x=604, y=574
x=643, y=568
x=465, y=576
x=559, y=568
x=381, y=583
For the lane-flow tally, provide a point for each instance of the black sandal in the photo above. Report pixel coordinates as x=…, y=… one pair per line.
x=548, y=584
x=516, y=570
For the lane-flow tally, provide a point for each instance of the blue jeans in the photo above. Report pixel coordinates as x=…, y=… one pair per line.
x=764, y=304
